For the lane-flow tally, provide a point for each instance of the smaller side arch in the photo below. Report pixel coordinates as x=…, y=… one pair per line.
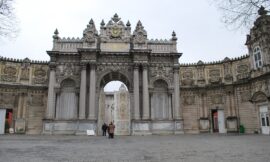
x=259, y=97
x=153, y=80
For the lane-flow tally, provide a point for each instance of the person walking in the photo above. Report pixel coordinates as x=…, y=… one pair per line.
x=111, y=128
x=104, y=129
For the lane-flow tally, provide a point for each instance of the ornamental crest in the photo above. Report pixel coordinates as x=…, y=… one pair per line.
x=90, y=33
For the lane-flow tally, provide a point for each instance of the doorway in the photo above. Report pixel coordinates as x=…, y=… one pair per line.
x=5, y=120
x=218, y=121
x=264, y=118
x=114, y=106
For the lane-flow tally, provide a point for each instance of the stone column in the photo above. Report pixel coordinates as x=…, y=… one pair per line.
x=92, y=93
x=145, y=94
x=177, y=111
x=136, y=93
x=82, y=93
x=51, y=94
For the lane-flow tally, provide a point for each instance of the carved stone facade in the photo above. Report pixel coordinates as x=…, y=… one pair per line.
x=65, y=95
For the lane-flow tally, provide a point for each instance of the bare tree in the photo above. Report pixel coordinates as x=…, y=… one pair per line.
x=240, y=13
x=8, y=23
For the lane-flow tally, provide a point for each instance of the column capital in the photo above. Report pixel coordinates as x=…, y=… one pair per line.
x=93, y=64
x=176, y=69
x=52, y=66
x=83, y=65
x=145, y=66
x=136, y=66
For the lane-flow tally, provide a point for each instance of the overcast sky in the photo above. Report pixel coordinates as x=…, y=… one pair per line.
x=197, y=23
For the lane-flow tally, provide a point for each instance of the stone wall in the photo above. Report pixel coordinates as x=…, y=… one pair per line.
x=23, y=89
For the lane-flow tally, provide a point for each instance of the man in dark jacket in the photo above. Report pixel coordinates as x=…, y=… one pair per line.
x=104, y=129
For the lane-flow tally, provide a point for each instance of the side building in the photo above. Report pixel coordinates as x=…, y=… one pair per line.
x=65, y=95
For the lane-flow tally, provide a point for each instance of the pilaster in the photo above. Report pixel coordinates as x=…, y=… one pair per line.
x=92, y=92
x=145, y=93
x=82, y=92
x=136, y=93
x=51, y=94
x=177, y=111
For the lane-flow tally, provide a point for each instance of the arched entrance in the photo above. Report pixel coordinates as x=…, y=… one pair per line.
x=114, y=106
x=67, y=101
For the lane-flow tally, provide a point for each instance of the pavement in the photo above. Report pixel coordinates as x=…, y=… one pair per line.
x=169, y=148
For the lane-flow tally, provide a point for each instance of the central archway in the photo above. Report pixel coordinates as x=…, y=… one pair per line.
x=115, y=106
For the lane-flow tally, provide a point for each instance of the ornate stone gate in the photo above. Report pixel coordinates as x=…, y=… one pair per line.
x=79, y=68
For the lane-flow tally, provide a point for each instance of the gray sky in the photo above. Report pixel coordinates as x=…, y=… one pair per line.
x=197, y=23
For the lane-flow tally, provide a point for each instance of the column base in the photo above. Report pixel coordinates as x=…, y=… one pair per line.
x=178, y=126
x=231, y=123
x=20, y=126
x=204, y=125
x=141, y=127
x=69, y=127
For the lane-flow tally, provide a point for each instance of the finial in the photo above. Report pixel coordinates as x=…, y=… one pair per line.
x=128, y=23
x=102, y=23
x=56, y=32
x=173, y=34
x=116, y=18
x=262, y=11
x=91, y=21
x=139, y=23
x=174, y=38
x=55, y=36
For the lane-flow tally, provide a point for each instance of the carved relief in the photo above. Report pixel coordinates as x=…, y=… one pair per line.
x=260, y=86
x=90, y=33
x=243, y=71
x=39, y=75
x=227, y=72
x=139, y=35
x=187, y=78
x=25, y=69
x=214, y=76
x=161, y=71
x=9, y=74
x=67, y=70
x=25, y=74
x=200, y=72
x=115, y=31
x=114, y=68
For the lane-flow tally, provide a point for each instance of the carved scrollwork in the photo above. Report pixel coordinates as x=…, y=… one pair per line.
x=9, y=74
x=39, y=76
x=243, y=72
x=187, y=78
x=214, y=76
x=90, y=33
x=140, y=34
x=161, y=71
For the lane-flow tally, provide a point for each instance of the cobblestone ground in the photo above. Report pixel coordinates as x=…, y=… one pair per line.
x=180, y=148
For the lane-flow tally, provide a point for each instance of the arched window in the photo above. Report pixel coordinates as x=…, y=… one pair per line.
x=257, y=57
